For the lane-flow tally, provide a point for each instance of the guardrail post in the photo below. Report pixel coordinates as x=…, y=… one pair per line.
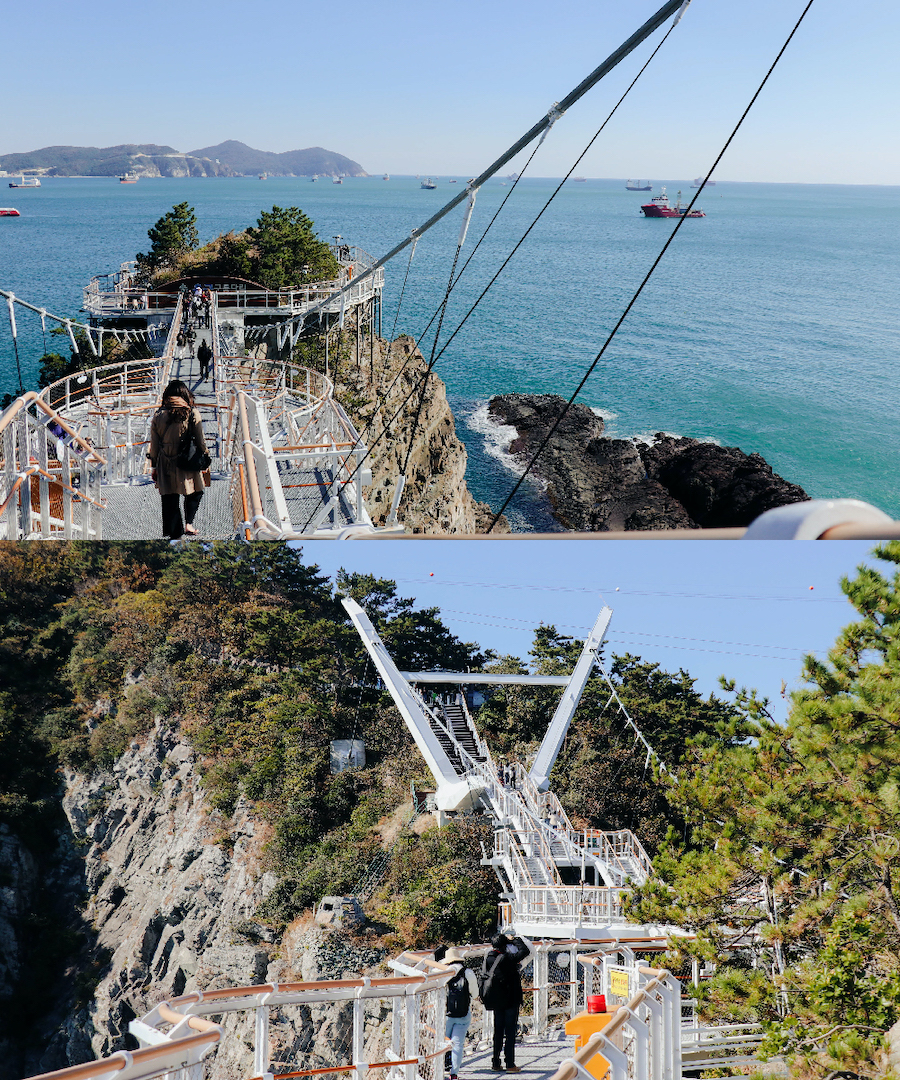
x=655, y=1008
x=411, y=1034
x=261, y=1041
x=669, y=1033
x=541, y=977
x=573, y=981
x=359, y=1033
x=618, y=1061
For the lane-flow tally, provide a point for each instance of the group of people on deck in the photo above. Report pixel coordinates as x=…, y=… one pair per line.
x=500, y=988
x=197, y=305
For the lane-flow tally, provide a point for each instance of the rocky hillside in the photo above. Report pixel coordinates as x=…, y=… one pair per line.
x=172, y=892
x=230, y=158
x=436, y=498
x=595, y=483
x=314, y=160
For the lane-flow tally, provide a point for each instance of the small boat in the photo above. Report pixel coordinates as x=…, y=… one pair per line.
x=659, y=207
x=452, y=181
x=128, y=178
x=314, y=178
x=385, y=177
x=429, y=183
x=337, y=180
x=699, y=183
x=26, y=182
x=264, y=176
x=9, y=211
x=579, y=179
x=638, y=185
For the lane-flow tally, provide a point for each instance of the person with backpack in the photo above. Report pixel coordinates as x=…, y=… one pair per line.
x=461, y=989
x=500, y=985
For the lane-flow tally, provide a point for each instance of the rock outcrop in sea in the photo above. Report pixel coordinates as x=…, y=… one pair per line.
x=598, y=484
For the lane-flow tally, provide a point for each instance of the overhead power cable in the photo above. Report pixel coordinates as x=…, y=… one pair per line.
x=648, y=275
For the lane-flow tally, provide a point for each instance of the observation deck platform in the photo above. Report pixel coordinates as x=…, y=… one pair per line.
x=286, y=459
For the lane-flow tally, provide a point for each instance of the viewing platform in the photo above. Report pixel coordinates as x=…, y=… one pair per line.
x=287, y=460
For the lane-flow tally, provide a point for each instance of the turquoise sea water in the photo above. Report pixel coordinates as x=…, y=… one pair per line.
x=771, y=324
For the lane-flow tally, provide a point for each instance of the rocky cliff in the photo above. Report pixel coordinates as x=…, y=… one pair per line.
x=170, y=892
x=375, y=385
x=595, y=483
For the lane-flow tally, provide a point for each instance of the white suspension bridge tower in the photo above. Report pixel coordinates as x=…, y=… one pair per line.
x=558, y=881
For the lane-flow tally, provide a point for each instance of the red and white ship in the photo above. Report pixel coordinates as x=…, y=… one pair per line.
x=9, y=211
x=659, y=207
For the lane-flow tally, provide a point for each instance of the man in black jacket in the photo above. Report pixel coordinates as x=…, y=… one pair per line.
x=505, y=961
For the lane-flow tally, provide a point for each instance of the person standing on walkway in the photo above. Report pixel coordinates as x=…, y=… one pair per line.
x=501, y=992
x=204, y=355
x=175, y=432
x=461, y=991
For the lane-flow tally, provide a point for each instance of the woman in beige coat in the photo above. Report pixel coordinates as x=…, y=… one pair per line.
x=171, y=424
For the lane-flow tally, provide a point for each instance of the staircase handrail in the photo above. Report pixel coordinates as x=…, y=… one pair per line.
x=470, y=723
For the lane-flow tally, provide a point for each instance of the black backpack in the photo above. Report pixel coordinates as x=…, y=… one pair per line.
x=489, y=982
x=458, y=997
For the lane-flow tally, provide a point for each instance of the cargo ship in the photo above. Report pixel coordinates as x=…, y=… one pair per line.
x=659, y=207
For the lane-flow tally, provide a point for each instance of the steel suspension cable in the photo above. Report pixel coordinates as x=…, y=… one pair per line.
x=546, y=121
x=649, y=273
x=453, y=284
x=435, y=357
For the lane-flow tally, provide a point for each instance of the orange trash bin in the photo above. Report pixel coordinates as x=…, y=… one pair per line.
x=583, y=1026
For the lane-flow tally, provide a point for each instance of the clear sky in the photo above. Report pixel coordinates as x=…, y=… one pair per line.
x=748, y=610
x=411, y=87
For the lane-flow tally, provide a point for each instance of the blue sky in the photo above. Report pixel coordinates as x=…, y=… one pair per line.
x=412, y=87
x=748, y=610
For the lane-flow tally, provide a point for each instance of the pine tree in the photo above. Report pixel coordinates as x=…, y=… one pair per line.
x=791, y=861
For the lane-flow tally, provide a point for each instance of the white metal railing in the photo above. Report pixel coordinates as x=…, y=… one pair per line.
x=49, y=476
x=410, y=1047
x=111, y=294
x=328, y=460
x=643, y=1039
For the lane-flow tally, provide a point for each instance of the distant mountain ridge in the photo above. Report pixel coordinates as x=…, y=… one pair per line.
x=149, y=159
x=244, y=159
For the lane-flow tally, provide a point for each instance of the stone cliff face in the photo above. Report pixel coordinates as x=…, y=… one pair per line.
x=172, y=890
x=602, y=484
x=18, y=883
x=435, y=499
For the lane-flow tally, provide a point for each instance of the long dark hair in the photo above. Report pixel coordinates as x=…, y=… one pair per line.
x=177, y=388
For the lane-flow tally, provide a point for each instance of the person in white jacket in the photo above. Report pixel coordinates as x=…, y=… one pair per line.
x=461, y=992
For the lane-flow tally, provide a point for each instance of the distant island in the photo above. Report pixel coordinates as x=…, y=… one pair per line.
x=230, y=158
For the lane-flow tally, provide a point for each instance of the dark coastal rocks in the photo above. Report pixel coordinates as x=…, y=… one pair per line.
x=595, y=483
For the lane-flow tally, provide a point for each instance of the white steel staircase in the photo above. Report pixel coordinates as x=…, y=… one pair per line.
x=558, y=881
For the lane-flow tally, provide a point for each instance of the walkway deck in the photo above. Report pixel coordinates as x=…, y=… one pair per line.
x=537, y=1059
x=133, y=510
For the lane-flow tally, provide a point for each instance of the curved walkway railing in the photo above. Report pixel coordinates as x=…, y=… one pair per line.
x=641, y=1042
x=410, y=1047
x=394, y=1026
x=50, y=475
